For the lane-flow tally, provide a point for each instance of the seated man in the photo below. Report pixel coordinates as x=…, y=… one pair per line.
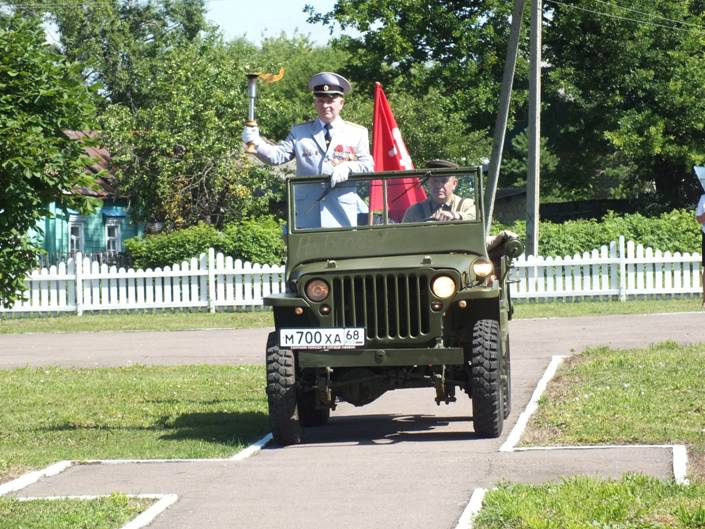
x=442, y=204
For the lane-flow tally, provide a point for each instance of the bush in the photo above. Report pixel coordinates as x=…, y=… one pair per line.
x=674, y=231
x=255, y=240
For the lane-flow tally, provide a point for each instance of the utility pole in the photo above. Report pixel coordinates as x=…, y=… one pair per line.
x=534, y=160
x=500, y=126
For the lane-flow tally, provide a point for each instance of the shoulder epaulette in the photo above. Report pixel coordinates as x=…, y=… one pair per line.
x=354, y=124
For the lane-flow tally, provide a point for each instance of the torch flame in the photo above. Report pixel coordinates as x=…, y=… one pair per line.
x=271, y=77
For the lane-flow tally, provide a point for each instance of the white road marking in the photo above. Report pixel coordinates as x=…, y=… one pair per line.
x=471, y=509
x=532, y=406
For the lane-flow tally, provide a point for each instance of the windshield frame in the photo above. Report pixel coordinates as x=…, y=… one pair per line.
x=385, y=176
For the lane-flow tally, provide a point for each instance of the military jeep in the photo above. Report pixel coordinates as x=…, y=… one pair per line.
x=374, y=303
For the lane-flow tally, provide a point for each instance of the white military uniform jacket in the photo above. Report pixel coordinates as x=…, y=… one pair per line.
x=306, y=142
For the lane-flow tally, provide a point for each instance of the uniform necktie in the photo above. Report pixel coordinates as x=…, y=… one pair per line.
x=327, y=137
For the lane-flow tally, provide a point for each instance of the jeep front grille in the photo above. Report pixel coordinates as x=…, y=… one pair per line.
x=389, y=305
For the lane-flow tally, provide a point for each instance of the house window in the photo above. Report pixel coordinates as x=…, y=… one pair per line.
x=113, y=238
x=75, y=237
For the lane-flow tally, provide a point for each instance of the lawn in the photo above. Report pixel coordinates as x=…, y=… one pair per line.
x=126, y=413
x=603, y=396
x=110, y=512
x=180, y=320
x=634, y=502
x=136, y=321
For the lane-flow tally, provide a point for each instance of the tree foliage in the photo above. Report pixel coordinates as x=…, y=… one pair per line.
x=41, y=95
x=120, y=42
x=625, y=96
x=456, y=47
x=623, y=85
x=180, y=157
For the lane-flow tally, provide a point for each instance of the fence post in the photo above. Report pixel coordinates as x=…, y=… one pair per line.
x=622, y=270
x=211, y=279
x=78, y=259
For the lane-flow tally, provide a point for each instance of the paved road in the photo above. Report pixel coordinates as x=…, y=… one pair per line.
x=530, y=337
x=400, y=462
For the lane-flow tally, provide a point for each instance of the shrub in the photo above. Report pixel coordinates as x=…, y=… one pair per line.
x=256, y=240
x=674, y=231
x=174, y=247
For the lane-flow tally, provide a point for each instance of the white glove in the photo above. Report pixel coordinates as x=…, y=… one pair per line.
x=340, y=173
x=251, y=135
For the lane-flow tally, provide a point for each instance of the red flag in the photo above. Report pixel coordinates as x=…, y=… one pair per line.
x=390, y=154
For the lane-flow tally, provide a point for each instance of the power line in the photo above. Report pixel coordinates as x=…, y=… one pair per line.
x=650, y=15
x=629, y=19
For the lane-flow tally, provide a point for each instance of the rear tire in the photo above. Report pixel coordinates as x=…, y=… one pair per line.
x=485, y=379
x=281, y=393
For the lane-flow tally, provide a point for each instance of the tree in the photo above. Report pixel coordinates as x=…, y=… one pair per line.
x=625, y=97
x=456, y=47
x=623, y=86
x=180, y=157
x=41, y=94
x=118, y=42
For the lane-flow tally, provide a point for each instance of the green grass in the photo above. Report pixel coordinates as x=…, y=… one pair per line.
x=136, y=321
x=133, y=412
x=603, y=396
x=634, y=502
x=561, y=309
x=172, y=321
x=111, y=512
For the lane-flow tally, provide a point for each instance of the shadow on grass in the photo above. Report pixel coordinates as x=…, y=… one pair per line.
x=222, y=427
x=226, y=428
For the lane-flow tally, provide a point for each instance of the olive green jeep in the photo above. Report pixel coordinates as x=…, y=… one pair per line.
x=376, y=302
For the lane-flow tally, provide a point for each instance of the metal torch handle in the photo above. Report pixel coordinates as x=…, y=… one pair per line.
x=252, y=94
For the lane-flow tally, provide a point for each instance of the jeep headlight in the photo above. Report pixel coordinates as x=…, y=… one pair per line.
x=443, y=287
x=317, y=290
x=482, y=268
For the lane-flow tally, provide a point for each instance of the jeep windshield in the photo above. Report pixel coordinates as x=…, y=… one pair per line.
x=384, y=200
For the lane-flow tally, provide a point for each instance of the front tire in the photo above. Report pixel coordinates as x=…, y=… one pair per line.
x=281, y=393
x=485, y=379
x=507, y=381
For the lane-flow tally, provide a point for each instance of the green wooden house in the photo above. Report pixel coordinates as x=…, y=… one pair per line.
x=101, y=234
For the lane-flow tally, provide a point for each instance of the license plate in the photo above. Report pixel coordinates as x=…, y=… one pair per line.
x=340, y=338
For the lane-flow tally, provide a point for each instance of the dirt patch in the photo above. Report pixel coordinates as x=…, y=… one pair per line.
x=696, y=466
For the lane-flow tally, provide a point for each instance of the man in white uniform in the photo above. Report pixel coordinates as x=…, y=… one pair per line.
x=327, y=145
x=700, y=216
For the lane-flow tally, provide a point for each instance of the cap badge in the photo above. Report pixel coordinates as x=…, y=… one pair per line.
x=326, y=88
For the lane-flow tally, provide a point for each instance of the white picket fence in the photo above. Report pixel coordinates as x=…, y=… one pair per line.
x=207, y=282
x=620, y=271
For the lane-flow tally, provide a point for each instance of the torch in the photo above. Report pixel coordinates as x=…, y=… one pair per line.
x=252, y=94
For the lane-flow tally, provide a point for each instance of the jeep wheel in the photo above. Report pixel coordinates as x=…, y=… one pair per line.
x=309, y=413
x=485, y=379
x=281, y=393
